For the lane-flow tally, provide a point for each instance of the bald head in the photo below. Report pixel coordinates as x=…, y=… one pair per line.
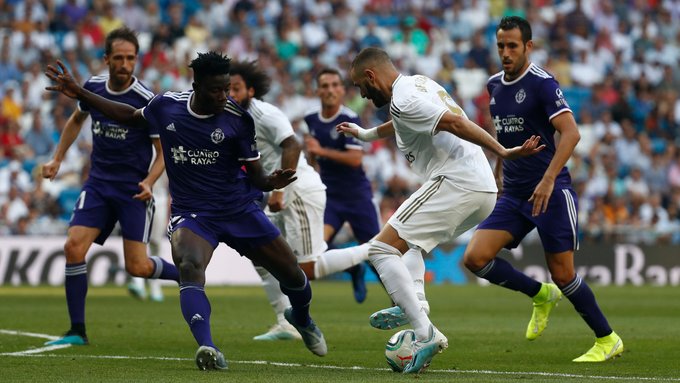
x=373, y=72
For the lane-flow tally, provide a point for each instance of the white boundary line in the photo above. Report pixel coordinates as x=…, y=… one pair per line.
x=35, y=353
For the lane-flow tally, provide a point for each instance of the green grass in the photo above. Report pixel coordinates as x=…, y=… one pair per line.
x=133, y=341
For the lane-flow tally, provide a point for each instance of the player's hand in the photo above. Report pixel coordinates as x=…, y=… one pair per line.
x=281, y=178
x=50, y=169
x=541, y=196
x=275, y=201
x=63, y=79
x=312, y=144
x=528, y=148
x=349, y=129
x=145, y=193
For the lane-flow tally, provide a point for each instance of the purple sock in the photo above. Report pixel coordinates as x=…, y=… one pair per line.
x=583, y=299
x=196, y=311
x=75, y=285
x=500, y=272
x=162, y=269
x=300, y=298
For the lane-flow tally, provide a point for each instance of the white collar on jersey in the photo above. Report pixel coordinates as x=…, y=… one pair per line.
x=518, y=78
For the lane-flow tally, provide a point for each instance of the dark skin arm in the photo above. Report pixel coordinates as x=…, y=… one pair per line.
x=290, y=156
x=279, y=179
x=64, y=83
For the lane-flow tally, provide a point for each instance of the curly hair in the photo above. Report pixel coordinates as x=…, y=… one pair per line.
x=209, y=64
x=254, y=76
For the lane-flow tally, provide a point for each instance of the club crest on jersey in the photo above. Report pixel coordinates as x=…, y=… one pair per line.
x=334, y=134
x=520, y=96
x=217, y=136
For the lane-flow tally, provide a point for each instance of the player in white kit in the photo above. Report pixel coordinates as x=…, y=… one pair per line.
x=298, y=209
x=443, y=146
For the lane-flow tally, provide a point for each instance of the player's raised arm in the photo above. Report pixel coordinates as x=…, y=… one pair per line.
x=372, y=134
x=462, y=127
x=65, y=84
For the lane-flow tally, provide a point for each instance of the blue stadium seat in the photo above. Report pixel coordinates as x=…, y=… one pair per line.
x=67, y=199
x=576, y=97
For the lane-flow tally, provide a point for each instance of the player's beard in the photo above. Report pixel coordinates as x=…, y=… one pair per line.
x=374, y=95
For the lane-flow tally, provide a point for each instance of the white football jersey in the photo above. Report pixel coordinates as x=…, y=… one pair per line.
x=272, y=127
x=417, y=105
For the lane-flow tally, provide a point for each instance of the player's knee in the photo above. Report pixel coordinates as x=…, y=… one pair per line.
x=562, y=277
x=190, y=269
x=475, y=261
x=142, y=269
x=74, y=251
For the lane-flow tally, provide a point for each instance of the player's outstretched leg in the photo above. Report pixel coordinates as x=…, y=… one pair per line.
x=424, y=351
x=605, y=348
x=311, y=335
x=546, y=300
x=298, y=316
x=210, y=358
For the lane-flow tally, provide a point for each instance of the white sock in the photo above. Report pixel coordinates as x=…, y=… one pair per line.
x=277, y=299
x=336, y=260
x=155, y=290
x=413, y=259
x=399, y=284
x=140, y=284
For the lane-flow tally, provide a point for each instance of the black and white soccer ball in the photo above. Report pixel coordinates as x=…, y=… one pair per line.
x=398, y=350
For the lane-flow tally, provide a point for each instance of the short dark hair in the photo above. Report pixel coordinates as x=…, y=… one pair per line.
x=370, y=57
x=210, y=64
x=511, y=22
x=328, y=70
x=122, y=33
x=254, y=76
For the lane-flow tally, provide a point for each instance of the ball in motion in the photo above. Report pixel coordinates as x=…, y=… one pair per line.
x=398, y=350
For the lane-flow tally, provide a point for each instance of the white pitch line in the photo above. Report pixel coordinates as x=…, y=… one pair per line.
x=37, y=350
x=31, y=334
x=330, y=367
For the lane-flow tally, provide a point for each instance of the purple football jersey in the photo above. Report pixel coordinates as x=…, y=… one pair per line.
x=520, y=109
x=342, y=181
x=119, y=153
x=204, y=154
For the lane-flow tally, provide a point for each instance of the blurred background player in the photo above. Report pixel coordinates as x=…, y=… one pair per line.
x=159, y=234
x=339, y=159
x=298, y=209
x=119, y=183
x=537, y=192
x=207, y=138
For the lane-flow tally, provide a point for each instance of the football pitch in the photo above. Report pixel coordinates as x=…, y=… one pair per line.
x=135, y=341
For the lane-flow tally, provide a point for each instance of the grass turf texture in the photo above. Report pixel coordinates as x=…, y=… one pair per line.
x=133, y=341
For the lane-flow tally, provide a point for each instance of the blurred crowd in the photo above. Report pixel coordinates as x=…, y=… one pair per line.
x=617, y=63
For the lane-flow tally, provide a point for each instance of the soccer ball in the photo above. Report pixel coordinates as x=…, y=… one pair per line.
x=398, y=350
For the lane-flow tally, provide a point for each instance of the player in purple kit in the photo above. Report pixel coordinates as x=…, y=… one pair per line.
x=537, y=192
x=206, y=138
x=119, y=183
x=339, y=157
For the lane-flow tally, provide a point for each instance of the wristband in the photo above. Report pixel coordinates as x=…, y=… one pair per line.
x=367, y=134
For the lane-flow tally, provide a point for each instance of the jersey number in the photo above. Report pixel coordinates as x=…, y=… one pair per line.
x=448, y=100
